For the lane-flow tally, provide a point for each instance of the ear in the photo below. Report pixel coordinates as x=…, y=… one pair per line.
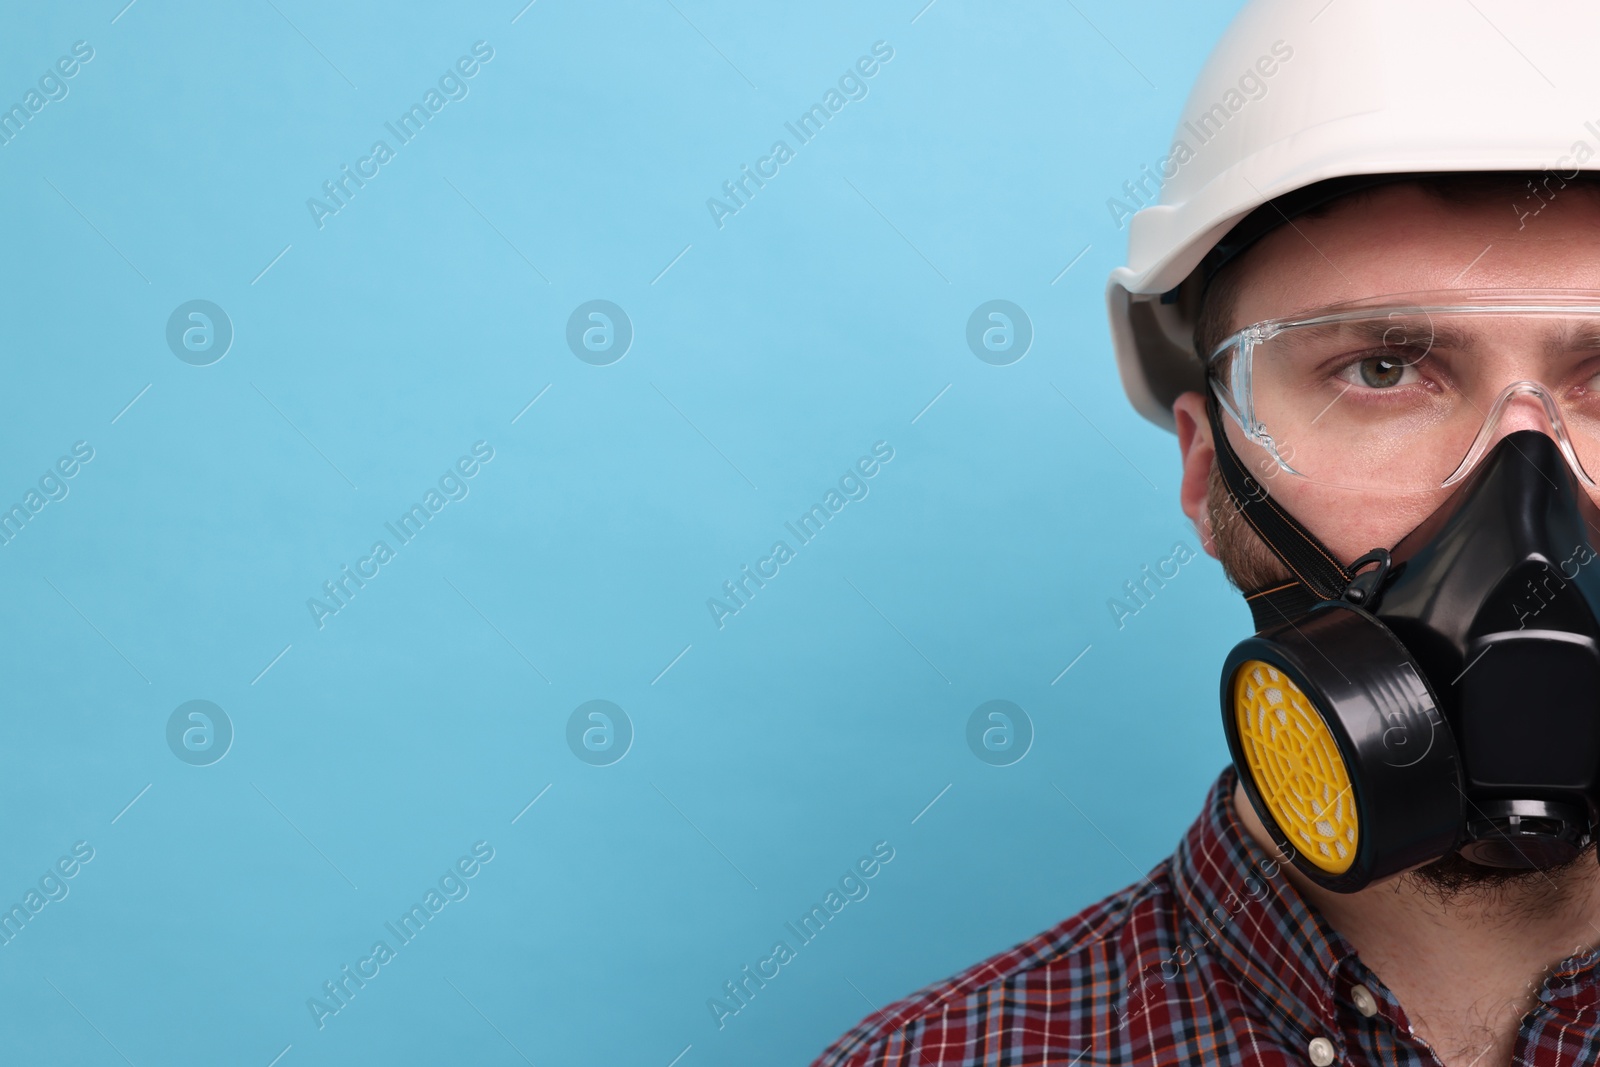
x=1199, y=453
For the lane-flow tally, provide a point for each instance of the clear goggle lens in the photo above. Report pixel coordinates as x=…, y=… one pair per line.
x=1406, y=394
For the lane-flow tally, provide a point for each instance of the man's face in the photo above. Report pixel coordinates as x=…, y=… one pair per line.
x=1398, y=239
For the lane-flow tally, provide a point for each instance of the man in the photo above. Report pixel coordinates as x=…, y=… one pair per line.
x=1388, y=267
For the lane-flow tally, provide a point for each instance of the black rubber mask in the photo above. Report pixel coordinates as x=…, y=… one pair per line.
x=1438, y=697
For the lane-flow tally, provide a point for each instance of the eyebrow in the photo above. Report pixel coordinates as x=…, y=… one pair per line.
x=1574, y=337
x=1377, y=333
x=1568, y=337
x=1437, y=335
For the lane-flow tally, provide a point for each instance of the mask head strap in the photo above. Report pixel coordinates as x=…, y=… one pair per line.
x=1317, y=571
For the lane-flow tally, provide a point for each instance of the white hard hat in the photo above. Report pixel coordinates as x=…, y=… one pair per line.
x=1301, y=91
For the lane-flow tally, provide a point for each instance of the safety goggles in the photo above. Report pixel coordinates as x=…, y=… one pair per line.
x=1407, y=393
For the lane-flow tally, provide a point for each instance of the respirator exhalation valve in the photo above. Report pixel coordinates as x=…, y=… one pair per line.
x=1525, y=834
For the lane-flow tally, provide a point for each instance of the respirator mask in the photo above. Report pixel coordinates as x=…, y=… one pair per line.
x=1441, y=695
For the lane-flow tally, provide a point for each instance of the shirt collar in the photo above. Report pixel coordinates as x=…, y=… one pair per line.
x=1239, y=906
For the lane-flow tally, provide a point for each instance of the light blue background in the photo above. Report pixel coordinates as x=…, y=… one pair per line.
x=775, y=751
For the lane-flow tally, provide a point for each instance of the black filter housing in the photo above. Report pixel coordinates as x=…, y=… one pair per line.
x=1404, y=767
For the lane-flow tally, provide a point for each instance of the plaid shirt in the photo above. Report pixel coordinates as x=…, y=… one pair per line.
x=1212, y=959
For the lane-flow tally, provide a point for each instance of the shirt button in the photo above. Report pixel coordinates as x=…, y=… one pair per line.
x=1321, y=1050
x=1365, y=1002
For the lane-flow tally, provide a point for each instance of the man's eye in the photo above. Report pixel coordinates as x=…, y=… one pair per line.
x=1379, y=372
